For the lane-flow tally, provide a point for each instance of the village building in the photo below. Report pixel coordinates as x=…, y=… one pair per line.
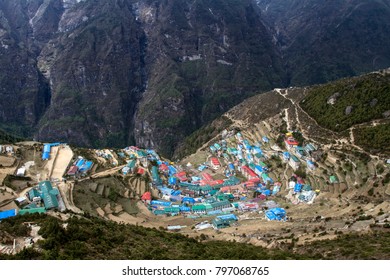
x=291, y=142
x=294, y=162
x=214, y=162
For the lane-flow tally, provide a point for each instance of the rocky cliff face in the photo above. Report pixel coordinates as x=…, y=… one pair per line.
x=148, y=72
x=203, y=57
x=24, y=92
x=324, y=40
x=110, y=73
x=96, y=68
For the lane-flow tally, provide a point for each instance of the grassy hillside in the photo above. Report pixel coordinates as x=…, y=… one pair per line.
x=356, y=100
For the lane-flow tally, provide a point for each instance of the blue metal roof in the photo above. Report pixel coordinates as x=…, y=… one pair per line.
x=7, y=214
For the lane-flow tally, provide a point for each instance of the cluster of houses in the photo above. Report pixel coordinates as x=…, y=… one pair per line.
x=108, y=155
x=39, y=199
x=199, y=194
x=295, y=154
x=299, y=192
x=6, y=149
x=79, y=167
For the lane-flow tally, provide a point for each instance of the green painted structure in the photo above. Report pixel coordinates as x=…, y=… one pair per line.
x=32, y=210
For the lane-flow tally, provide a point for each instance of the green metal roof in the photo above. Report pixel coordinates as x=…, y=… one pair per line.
x=45, y=186
x=32, y=211
x=33, y=193
x=141, y=153
x=258, y=155
x=294, y=158
x=264, y=176
x=333, y=179
x=213, y=192
x=48, y=195
x=262, y=164
x=172, y=210
x=219, y=204
x=206, y=188
x=231, y=181
x=199, y=207
x=131, y=164
x=208, y=206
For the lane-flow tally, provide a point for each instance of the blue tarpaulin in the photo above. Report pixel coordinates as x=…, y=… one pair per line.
x=166, y=191
x=172, y=170
x=172, y=180
x=297, y=188
x=228, y=217
x=160, y=203
x=7, y=214
x=80, y=162
x=185, y=209
x=176, y=193
x=188, y=200
x=86, y=166
x=266, y=192
x=276, y=214
x=202, y=167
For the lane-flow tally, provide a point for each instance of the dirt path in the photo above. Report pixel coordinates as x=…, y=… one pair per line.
x=104, y=173
x=66, y=190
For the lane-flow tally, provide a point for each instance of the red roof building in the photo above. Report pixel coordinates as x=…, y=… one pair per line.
x=215, y=163
x=182, y=176
x=146, y=196
x=249, y=173
x=207, y=177
x=291, y=142
x=72, y=170
x=141, y=171
x=163, y=167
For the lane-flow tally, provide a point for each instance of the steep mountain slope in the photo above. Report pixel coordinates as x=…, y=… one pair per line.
x=24, y=92
x=165, y=66
x=348, y=111
x=96, y=70
x=326, y=40
x=203, y=57
x=148, y=72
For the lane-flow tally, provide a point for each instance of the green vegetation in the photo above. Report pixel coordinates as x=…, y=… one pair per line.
x=200, y=137
x=374, y=139
x=92, y=238
x=6, y=138
x=367, y=95
x=375, y=245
